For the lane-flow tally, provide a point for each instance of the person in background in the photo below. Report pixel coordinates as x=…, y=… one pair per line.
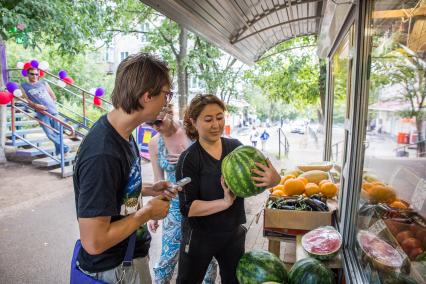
x=254, y=136
x=165, y=149
x=263, y=138
x=107, y=177
x=213, y=217
x=41, y=97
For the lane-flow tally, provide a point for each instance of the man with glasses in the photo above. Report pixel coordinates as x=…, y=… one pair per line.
x=41, y=97
x=107, y=178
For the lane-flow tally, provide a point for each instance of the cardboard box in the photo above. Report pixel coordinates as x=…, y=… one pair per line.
x=296, y=222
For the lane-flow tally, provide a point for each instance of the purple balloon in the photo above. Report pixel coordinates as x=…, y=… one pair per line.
x=34, y=63
x=62, y=74
x=99, y=92
x=24, y=72
x=12, y=86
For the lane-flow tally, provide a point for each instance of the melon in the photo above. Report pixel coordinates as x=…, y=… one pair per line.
x=310, y=271
x=236, y=170
x=322, y=243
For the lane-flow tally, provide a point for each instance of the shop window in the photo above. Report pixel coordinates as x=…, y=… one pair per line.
x=391, y=228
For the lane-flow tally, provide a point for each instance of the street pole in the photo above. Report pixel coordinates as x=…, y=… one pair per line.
x=3, y=109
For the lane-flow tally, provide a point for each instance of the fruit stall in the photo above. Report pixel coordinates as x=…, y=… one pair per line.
x=357, y=216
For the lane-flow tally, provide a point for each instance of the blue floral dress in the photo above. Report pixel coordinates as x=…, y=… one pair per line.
x=172, y=233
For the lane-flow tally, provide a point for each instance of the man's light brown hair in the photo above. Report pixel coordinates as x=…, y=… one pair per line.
x=136, y=75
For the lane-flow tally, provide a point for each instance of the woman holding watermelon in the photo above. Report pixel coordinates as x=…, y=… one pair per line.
x=212, y=215
x=165, y=149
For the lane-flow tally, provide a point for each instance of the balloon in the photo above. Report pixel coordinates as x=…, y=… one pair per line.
x=17, y=93
x=27, y=65
x=61, y=84
x=41, y=73
x=34, y=63
x=99, y=92
x=92, y=91
x=5, y=98
x=62, y=74
x=68, y=80
x=97, y=101
x=24, y=72
x=44, y=65
x=20, y=65
x=12, y=86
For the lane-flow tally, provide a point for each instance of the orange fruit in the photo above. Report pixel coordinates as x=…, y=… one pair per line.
x=278, y=192
x=398, y=204
x=329, y=189
x=303, y=179
x=311, y=189
x=294, y=187
x=382, y=194
x=323, y=181
x=286, y=177
x=367, y=186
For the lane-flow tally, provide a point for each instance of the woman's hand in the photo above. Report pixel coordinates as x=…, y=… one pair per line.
x=153, y=225
x=267, y=175
x=228, y=196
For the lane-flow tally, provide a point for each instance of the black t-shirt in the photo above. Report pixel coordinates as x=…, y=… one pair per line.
x=205, y=172
x=107, y=182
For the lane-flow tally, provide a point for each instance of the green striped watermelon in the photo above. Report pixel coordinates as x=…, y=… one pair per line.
x=236, y=170
x=323, y=243
x=310, y=271
x=259, y=266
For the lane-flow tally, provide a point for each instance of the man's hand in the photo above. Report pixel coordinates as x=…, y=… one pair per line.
x=166, y=189
x=156, y=208
x=40, y=107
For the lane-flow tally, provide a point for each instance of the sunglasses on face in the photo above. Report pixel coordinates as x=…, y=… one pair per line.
x=33, y=74
x=157, y=122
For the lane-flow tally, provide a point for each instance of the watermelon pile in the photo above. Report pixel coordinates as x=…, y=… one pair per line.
x=310, y=271
x=322, y=243
x=236, y=170
x=261, y=266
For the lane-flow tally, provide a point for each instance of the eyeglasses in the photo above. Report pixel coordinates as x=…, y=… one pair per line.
x=157, y=122
x=169, y=96
x=33, y=74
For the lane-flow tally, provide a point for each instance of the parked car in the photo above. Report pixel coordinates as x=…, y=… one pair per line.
x=298, y=128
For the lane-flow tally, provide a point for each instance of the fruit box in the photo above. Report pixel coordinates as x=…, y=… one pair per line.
x=293, y=222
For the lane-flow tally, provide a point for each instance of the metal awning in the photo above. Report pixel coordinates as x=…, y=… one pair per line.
x=245, y=28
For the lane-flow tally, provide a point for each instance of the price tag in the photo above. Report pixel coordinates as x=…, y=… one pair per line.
x=377, y=227
x=419, y=196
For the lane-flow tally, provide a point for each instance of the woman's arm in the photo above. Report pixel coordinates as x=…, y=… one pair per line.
x=153, y=152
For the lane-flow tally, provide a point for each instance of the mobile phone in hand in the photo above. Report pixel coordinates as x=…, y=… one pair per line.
x=181, y=182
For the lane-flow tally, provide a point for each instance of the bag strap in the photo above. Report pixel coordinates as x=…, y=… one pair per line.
x=128, y=257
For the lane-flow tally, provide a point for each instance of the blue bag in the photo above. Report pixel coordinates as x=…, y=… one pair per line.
x=78, y=277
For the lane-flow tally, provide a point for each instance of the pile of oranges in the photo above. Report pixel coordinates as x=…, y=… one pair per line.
x=291, y=185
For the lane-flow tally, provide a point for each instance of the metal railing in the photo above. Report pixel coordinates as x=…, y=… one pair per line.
x=336, y=152
x=282, y=141
x=63, y=126
x=405, y=146
x=75, y=91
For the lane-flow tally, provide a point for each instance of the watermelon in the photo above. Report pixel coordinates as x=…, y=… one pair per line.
x=310, y=271
x=236, y=170
x=259, y=266
x=322, y=243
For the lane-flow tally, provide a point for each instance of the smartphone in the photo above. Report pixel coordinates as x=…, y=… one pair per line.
x=181, y=182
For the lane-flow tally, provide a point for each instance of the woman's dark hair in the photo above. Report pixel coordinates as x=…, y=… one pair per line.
x=136, y=75
x=197, y=105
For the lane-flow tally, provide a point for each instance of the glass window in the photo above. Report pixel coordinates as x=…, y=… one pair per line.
x=124, y=55
x=391, y=228
x=341, y=63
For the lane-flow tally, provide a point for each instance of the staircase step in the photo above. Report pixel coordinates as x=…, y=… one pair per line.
x=23, y=123
x=25, y=131
x=32, y=152
x=38, y=141
x=68, y=171
x=48, y=161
